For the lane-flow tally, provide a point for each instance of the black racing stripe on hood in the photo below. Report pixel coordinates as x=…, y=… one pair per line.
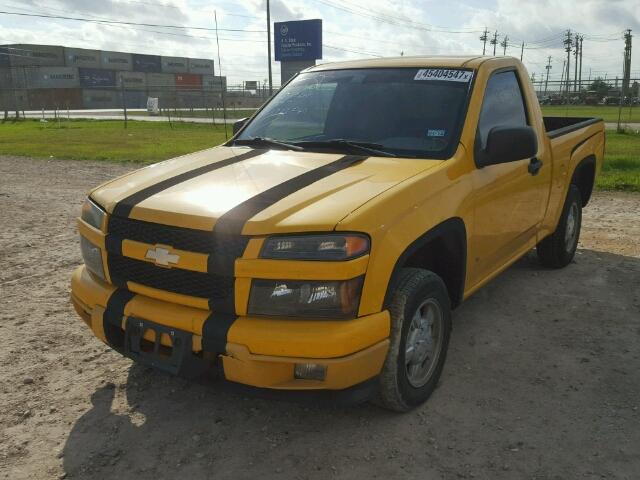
x=124, y=206
x=232, y=222
x=230, y=225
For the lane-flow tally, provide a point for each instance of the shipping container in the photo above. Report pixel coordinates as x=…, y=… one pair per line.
x=4, y=57
x=188, y=81
x=131, y=80
x=175, y=65
x=161, y=81
x=214, y=83
x=51, y=77
x=190, y=99
x=116, y=61
x=146, y=63
x=58, y=98
x=12, y=78
x=96, y=77
x=212, y=99
x=201, y=66
x=22, y=55
x=97, y=99
x=6, y=79
x=81, y=57
x=13, y=100
x=135, y=98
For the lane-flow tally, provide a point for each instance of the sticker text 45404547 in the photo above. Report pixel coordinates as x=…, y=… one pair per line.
x=444, y=74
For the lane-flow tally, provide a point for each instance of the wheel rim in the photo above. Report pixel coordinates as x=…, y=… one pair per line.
x=571, y=229
x=424, y=342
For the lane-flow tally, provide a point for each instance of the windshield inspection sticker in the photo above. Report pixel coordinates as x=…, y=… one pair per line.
x=444, y=74
x=440, y=132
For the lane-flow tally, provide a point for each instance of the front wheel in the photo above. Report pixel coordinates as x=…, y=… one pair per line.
x=558, y=249
x=420, y=330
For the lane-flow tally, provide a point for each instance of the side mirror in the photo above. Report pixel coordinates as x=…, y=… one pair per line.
x=238, y=124
x=508, y=144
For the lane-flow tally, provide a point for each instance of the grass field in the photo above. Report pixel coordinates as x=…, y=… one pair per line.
x=621, y=170
x=609, y=113
x=145, y=142
x=148, y=142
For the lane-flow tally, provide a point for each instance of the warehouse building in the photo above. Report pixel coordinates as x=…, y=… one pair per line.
x=34, y=77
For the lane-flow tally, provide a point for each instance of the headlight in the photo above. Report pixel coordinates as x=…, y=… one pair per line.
x=315, y=247
x=306, y=298
x=92, y=257
x=92, y=214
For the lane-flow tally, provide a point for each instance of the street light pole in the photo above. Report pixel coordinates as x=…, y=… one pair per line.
x=269, y=47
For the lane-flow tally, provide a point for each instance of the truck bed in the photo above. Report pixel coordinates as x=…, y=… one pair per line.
x=557, y=126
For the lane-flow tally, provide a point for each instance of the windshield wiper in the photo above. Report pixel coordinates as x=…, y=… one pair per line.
x=350, y=145
x=267, y=142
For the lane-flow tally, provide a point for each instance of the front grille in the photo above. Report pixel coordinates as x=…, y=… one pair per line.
x=191, y=240
x=216, y=288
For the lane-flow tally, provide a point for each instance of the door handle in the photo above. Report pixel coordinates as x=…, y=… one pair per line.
x=534, y=166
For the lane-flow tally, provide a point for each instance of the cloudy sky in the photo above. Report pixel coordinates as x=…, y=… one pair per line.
x=351, y=29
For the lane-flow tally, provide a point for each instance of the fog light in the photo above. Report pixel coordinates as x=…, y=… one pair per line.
x=310, y=371
x=92, y=257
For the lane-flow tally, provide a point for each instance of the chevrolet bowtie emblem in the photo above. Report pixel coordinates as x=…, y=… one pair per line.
x=162, y=256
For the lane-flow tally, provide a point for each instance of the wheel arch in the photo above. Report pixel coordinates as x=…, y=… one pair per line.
x=584, y=176
x=442, y=250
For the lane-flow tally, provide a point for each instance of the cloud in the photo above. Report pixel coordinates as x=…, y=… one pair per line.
x=352, y=29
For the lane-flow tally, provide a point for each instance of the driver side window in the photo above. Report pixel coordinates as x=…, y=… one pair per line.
x=502, y=105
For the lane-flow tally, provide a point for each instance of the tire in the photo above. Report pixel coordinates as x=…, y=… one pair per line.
x=558, y=249
x=405, y=382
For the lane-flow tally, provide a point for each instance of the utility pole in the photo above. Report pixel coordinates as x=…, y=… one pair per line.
x=494, y=42
x=580, y=76
x=522, y=51
x=269, y=48
x=504, y=44
x=546, y=82
x=564, y=65
x=576, y=52
x=568, y=42
x=483, y=38
x=626, y=75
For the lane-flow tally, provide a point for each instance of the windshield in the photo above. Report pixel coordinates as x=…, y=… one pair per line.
x=410, y=112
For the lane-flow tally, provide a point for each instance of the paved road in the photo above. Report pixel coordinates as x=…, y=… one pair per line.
x=135, y=115
x=132, y=115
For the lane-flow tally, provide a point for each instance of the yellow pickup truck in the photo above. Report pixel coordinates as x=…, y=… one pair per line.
x=323, y=248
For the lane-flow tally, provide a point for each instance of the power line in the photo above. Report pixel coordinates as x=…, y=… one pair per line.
x=115, y=22
x=396, y=21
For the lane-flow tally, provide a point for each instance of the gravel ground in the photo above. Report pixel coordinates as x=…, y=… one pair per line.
x=542, y=379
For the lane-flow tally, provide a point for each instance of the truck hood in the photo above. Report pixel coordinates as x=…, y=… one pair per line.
x=278, y=191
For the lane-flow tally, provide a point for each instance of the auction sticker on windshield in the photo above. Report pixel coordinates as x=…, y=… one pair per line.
x=444, y=74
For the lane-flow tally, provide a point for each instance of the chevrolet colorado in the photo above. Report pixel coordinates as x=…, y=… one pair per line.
x=325, y=245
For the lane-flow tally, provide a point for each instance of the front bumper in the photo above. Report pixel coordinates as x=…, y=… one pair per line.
x=260, y=352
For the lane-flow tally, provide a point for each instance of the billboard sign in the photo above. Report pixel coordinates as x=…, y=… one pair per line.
x=297, y=40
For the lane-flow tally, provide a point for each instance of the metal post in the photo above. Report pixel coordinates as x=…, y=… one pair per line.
x=522, y=51
x=124, y=103
x=546, y=82
x=269, y=47
x=580, y=75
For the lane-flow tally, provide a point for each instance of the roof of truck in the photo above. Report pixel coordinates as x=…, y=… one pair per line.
x=469, y=61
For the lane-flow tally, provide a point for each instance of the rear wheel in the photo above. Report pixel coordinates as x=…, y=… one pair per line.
x=420, y=330
x=558, y=249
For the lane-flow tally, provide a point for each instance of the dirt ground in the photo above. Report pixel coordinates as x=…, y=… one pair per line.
x=542, y=379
